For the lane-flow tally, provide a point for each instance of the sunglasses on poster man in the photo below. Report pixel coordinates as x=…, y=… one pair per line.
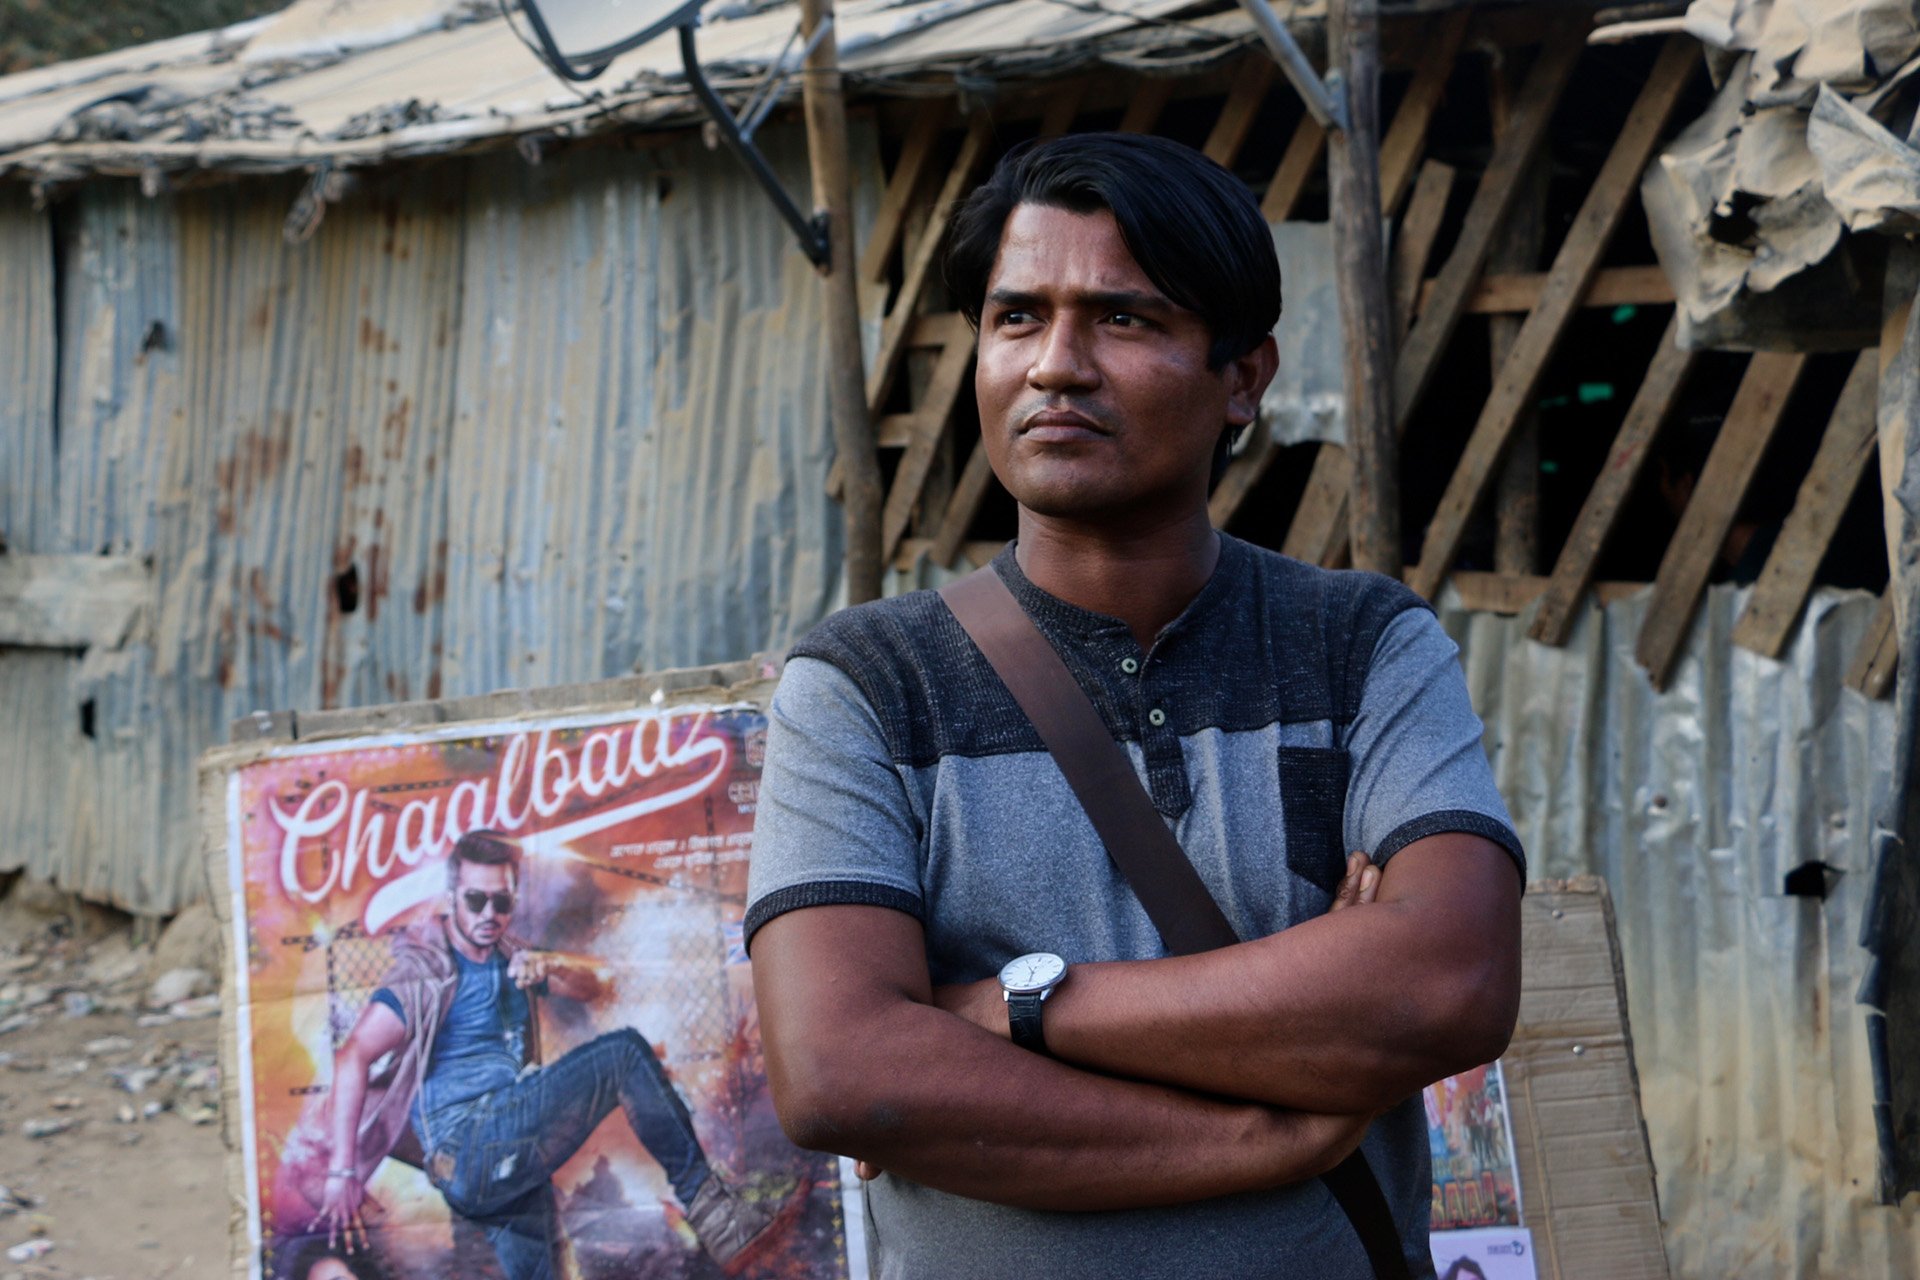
x=477, y=900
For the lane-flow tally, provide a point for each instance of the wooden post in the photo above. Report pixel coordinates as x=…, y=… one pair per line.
x=1517, y=501
x=859, y=466
x=1366, y=325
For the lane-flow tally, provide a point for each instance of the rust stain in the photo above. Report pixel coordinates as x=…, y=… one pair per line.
x=256, y=459
x=376, y=588
x=354, y=465
x=374, y=338
x=264, y=610
x=225, y=635
x=396, y=687
x=394, y=428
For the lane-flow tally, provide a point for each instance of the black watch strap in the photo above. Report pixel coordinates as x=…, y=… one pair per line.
x=1023, y=1016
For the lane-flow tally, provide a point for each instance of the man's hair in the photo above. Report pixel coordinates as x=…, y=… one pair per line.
x=482, y=848
x=1194, y=228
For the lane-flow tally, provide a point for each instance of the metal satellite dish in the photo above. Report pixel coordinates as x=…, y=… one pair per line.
x=579, y=39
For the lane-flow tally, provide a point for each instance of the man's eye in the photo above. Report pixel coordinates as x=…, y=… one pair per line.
x=1016, y=318
x=1128, y=320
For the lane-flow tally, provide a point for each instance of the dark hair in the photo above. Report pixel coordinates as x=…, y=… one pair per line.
x=295, y=1259
x=483, y=848
x=1465, y=1267
x=1193, y=227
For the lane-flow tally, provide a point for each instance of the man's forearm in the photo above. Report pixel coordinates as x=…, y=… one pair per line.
x=1349, y=1012
x=947, y=1105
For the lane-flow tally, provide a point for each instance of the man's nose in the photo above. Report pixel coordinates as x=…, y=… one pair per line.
x=1064, y=361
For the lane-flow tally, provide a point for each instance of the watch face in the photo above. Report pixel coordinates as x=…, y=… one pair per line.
x=1034, y=972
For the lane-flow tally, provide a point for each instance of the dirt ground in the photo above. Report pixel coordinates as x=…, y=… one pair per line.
x=110, y=1149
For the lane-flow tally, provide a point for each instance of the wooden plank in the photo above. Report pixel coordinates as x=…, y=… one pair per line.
x=929, y=424
x=1782, y=589
x=1586, y=241
x=923, y=135
x=1511, y=593
x=1874, y=665
x=899, y=321
x=1241, y=110
x=1516, y=506
x=976, y=554
x=968, y=494
x=1757, y=408
x=1413, y=247
x=71, y=601
x=1242, y=474
x=1406, y=139
x=1318, y=533
x=1295, y=170
x=1360, y=275
x=1440, y=316
x=1611, y=287
x=933, y=329
x=1063, y=104
x=1149, y=98
x=1659, y=392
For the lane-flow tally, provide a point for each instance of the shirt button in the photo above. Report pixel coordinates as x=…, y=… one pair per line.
x=1129, y=665
x=1156, y=717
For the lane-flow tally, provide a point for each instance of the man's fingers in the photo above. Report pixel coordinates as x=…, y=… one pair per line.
x=1369, y=884
x=1348, y=892
x=867, y=1170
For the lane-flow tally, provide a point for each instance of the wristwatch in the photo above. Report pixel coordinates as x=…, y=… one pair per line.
x=1025, y=983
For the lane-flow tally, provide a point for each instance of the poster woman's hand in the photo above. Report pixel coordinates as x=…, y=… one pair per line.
x=340, y=1211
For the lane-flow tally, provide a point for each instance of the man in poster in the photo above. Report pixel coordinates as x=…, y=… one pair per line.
x=447, y=1048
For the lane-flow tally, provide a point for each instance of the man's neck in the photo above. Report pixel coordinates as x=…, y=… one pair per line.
x=462, y=947
x=1144, y=577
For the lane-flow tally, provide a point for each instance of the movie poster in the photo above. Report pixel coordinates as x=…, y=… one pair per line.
x=1470, y=1136
x=537, y=1058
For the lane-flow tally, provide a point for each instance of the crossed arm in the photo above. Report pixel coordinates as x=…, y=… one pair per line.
x=1250, y=1067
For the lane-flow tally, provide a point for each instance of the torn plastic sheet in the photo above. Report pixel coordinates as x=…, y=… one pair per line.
x=1871, y=177
x=1750, y=207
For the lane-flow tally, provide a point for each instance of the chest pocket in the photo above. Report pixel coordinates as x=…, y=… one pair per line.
x=1313, y=803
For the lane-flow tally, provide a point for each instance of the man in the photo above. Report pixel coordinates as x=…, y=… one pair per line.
x=454, y=1019
x=913, y=836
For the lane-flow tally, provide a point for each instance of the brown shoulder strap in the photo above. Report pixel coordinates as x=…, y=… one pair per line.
x=1096, y=767
x=1135, y=836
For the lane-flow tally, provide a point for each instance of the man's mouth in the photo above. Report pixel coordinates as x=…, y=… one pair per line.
x=1061, y=426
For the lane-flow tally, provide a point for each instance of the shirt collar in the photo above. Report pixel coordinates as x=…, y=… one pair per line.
x=1052, y=613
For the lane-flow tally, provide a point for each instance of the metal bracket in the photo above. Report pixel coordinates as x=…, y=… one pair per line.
x=812, y=232
x=1326, y=100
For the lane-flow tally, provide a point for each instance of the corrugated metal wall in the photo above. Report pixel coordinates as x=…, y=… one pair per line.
x=1694, y=804
x=492, y=426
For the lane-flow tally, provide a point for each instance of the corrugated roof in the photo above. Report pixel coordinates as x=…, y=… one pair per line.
x=361, y=81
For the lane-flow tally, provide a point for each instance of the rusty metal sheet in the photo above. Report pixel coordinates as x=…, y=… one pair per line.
x=1694, y=804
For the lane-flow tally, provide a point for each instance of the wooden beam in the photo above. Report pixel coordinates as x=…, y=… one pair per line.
x=1511, y=593
x=71, y=601
x=1782, y=589
x=1241, y=110
x=1413, y=247
x=1878, y=659
x=1492, y=201
x=1318, y=533
x=929, y=424
x=1063, y=104
x=1516, y=506
x=1149, y=98
x=1295, y=170
x=976, y=554
x=899, y=321
x=922, y=138
x=1586, y=241
x=1366, y=311
x=1659, y=392
x=1611, y=287
x=1243, y=473
x=968, y=494
x=1406, y=139
x=1757, y=408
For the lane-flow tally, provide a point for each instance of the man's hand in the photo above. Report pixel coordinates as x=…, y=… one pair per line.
x=1360, y=884
x=531, y=968
x=340, y=1213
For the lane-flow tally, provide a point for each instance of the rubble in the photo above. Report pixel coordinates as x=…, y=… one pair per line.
x=177, y=985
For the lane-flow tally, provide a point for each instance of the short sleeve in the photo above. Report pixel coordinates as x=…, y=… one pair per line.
x=1416, y=764
x=386, y=997
x=834, y=825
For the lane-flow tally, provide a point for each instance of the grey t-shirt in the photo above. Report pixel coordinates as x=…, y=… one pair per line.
x=1288, y=715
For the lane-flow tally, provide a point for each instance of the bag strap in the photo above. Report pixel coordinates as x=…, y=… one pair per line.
x=1136, y=838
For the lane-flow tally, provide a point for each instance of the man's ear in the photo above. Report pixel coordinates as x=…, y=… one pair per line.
x=1247, y=380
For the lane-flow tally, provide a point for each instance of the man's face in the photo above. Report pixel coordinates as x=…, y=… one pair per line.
x=1095, y=396
x=477, y=899
x=331, y=1269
